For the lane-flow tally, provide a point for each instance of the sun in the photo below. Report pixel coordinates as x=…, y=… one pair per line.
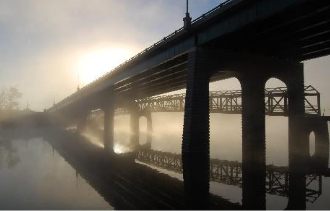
x=95, y=63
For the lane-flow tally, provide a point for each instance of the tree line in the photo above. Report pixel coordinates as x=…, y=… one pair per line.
x=9, y=101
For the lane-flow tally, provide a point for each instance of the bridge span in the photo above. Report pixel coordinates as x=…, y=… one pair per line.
x=252, y=40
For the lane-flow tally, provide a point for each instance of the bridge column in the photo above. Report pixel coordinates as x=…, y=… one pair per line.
x=196, y=134
x=109, y=113
x=298, y=138
x=149, y=129
x=134, y=123
x=82, y=122
x=253, y=141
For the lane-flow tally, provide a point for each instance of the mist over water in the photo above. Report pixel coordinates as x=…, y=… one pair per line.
x=31, y=169
x=34, y=176
x=225, y=144
x=225, y=135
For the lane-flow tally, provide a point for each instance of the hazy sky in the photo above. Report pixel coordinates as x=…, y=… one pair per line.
x=45, y=45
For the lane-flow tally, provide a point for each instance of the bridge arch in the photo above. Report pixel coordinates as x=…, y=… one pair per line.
x=225, y=119
x=122, y=133
x=276, y=122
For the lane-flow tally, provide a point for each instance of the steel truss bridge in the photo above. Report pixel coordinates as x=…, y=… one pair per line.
x=230, y=173
x=230, y=102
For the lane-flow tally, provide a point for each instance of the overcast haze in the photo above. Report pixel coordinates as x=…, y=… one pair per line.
x=45, y=45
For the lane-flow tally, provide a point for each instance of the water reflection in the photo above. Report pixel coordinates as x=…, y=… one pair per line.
x=127, y=185
x=226, y=144
x=8, y=154
x=33, y=176
x=229, y=173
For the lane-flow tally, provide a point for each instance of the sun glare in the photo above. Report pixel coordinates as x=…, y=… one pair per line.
x=95, y=63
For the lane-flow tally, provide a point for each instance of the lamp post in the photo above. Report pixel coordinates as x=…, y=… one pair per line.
x=187, y=19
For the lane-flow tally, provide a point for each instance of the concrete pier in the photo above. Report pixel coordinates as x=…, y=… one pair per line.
x=196, y=133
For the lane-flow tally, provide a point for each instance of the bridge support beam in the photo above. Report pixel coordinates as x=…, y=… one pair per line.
x=134, y=123
x=196, y=135
x=253, y=141
x=298, y=139
x=149, y=130
x=82, y=122
x=109, y=113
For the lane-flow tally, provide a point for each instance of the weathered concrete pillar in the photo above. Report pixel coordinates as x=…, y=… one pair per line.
x=134, y=123
x=196, y=134
x=298, y=138
x=149, y=130
x=253, y=141
x=82, y=122
x=109, y=112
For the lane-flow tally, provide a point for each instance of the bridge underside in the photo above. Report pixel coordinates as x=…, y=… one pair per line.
x=297, y=33
x=270, y=28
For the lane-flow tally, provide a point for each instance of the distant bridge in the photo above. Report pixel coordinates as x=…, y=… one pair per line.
x=230, y=102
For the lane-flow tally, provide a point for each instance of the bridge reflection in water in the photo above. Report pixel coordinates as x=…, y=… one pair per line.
x=122, y=182
x=230, y=173
x=129, y=185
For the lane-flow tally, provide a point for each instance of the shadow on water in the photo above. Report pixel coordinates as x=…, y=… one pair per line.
x=121, y=181
x=126, y=181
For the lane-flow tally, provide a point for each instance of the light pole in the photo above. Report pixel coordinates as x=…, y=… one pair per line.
x=187, y=19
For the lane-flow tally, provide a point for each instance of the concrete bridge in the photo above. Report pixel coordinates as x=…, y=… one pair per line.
x=252, y=40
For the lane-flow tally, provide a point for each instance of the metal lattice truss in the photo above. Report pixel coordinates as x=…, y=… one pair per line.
x=230, y=173
x=230, y=102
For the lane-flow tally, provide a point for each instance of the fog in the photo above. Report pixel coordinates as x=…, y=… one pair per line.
x=51, y=49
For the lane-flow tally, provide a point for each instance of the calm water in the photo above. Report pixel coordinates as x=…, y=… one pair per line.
x=33, y=176
x=226, y=144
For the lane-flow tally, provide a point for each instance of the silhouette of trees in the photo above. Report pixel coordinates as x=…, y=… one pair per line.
x=9, y=100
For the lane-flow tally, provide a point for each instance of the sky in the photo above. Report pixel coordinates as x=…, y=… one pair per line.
x=48, y=47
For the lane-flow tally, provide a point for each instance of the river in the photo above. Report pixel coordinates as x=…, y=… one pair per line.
x=35, y=176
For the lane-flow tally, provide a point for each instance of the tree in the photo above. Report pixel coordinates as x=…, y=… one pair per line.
x=2, y=99
x=9, y=101
x=12, y=97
